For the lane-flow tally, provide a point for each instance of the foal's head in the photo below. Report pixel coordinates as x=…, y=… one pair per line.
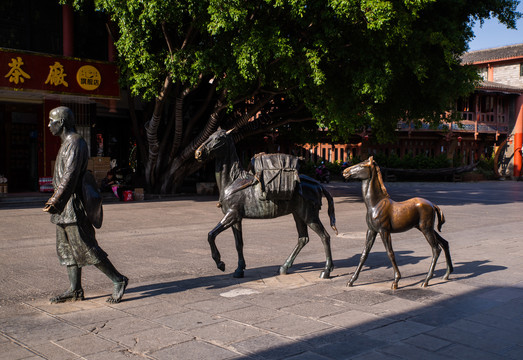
x=217, y=144
x=366, y=170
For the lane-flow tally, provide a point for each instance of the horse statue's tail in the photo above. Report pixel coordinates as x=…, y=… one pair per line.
x=330, y=209
x=441, y=217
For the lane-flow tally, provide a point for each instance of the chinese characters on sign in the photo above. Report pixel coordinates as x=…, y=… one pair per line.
x=16, y=74
x=56, y=75
x=44, y=73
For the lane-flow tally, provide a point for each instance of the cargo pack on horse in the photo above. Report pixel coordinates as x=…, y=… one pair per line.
x=247, y=195
x=385, y=216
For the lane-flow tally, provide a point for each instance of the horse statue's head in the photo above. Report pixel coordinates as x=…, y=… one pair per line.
x=216, y=144
x=366, y=170
x=361, y=171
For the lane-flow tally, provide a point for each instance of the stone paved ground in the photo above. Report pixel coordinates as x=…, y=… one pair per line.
x=180, y=306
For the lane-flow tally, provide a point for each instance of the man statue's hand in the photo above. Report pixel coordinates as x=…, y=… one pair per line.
x=50, y=209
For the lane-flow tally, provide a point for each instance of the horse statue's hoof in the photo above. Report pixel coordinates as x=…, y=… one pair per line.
x=394, y=286
x=350, y=284
x=325, y=275
x=238, y=274
x=221, y=266
x=283, y=270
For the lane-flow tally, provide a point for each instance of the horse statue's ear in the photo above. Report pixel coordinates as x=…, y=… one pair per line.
x=371, y=159
x=229, y=131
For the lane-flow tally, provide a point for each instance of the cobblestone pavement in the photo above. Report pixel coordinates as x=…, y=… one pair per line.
x=180, y=306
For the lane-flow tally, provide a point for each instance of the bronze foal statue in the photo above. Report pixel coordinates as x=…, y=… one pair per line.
x=240, y=198
x=385, y=216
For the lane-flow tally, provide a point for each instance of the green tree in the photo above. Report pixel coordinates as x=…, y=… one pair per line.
x=255, y=65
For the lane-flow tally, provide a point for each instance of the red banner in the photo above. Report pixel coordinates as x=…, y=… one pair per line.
x=25, y=71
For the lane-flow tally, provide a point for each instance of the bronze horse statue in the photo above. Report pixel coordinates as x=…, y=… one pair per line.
x=240, y=198
x=385, y=216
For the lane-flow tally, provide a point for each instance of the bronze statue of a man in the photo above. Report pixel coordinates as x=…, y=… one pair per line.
x=74, y=209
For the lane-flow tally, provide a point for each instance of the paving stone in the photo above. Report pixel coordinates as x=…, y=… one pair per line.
x=458, y=351
x=114, y=355
x=12, y=351
x=270, y=347
x=33, y=336
x=225, y=332
x=194, y=350
x=315, y=309
x=86, y=344
x=406, y=351
x=274, y=301
x=362, y=297
x=252, y=314
x=398, y=331
x=188, y=320
x=308, y=355
x=52, y=351
x=293, y=325
x=217, y=305
x=115, y=328
x=374, y=355
x=150, y=340
x=90, y=316
x=426, y=342
x=155, y=310
x=516, y=352
x=354, y=345
x=357, y=320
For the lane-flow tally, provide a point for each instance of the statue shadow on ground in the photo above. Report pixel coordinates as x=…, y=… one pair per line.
x=343, y=268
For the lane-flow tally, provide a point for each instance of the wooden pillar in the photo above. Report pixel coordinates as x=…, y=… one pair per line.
x=67, y=30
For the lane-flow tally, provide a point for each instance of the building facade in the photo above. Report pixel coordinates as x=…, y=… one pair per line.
x=490, y=117
x=52, y=56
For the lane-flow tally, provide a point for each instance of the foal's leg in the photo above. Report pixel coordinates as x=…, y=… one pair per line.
x=431, y=238
x=387, y=241
x=303, y=239
x=445, y=246
x=230, y=218
x=319, y=229
x=371, y=236
x=238, y=238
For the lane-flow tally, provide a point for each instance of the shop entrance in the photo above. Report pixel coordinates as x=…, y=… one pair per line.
x=19, y=145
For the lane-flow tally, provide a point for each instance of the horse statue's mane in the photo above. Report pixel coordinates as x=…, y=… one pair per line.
x=380, y=178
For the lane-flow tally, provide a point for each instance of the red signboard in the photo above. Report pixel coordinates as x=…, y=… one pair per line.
x=25, y=71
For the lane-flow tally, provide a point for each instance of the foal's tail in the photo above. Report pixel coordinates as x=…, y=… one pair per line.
x=441, y=217
x=330, y=208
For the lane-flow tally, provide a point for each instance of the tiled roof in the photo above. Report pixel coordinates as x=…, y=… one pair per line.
x=505, y=52
x=489, y=85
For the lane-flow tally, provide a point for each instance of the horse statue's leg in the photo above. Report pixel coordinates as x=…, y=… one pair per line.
x=238, y=238
x=303, y=239
x=230, y=218
x=431, y=238
x=445, y=246
x=385, y=237
x=369, y=242
x=319, y=229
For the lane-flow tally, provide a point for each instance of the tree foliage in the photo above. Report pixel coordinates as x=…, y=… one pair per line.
x=259, y=64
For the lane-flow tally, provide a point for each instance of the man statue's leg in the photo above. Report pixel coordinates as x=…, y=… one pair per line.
x=75, y=291
x=119, y=281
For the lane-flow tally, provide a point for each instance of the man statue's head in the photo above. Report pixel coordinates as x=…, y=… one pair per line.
x=61, y=118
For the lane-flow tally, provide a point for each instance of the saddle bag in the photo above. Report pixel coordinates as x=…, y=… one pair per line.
x=277, y=175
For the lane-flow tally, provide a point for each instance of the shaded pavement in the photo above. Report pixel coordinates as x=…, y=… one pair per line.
x=180, y=306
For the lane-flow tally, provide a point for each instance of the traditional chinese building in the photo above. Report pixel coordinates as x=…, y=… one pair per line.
x=490, y=117
x=52, y=56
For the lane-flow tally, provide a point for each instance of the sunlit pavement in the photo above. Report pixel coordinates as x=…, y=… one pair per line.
x=178, y=305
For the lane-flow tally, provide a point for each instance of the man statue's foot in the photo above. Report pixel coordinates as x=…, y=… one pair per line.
x=69, y=295
x=119, y=290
